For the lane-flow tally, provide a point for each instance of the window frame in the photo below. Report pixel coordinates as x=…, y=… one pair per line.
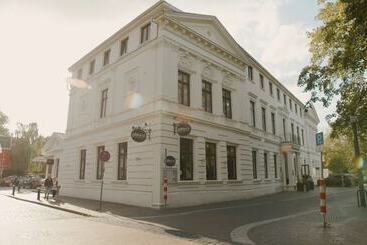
x=227, y=103
x=82, y=163
x=253, y=113
x=103, y=106
x=106, y=57
x=271, y=88
x=122, y=159
x=100, y=164
x=189, y=152
x=145, y=33
x=123, y=46
x=278, y=94
x=254, y=164
x=231, y=160
x=207, y=96
x=266, y=166
x=273, y=123
x=182, y=85
x=250, y=73
x=92, y=66
x=263, y=118
x=275, y=165
x=209, y=157
x=261, y=78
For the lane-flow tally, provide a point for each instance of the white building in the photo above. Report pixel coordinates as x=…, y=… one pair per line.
x=168, y=66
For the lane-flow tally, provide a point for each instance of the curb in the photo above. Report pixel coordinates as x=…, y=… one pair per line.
x=51, y=206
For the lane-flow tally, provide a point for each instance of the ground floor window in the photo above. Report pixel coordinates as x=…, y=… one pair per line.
x=211, y=161
x=186, y=159
x=266, y=165
x=231, y=162
x=254, y=165
x=99, y=163
x=275, y=166
x=83, y=154
x=122, y=161
x=57, y=163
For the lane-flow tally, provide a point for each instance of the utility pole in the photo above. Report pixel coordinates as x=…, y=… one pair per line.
x=357, y=154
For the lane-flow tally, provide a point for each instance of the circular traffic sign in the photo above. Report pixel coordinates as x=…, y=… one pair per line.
x=104, y=156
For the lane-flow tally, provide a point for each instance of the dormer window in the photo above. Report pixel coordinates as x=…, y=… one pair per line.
x=106, y=57
x=123, y=46
x=145, y=33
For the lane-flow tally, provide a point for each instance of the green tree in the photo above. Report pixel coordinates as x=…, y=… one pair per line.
x=338, y=153
x=27, y=144
x=3, y=122
x=338, y=65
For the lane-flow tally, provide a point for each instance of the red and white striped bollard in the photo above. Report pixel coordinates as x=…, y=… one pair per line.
x=323, y=200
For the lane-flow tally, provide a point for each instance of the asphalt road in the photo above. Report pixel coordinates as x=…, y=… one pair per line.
x=27, y=223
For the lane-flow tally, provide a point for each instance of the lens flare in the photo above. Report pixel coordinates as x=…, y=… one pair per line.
x=134, y=101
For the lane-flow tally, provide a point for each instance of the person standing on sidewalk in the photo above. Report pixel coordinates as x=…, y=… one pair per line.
x=48, y=186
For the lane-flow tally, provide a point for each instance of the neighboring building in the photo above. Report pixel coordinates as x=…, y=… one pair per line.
x=167, y=67
x=51, y=154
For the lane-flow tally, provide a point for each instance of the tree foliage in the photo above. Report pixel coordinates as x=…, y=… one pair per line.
x=3, y=122
x=338, y=66
x=338, y=153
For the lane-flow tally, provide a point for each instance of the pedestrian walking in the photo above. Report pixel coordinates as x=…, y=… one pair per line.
x=48, y=186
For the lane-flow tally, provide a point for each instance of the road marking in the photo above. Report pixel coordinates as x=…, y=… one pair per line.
x=239, y=235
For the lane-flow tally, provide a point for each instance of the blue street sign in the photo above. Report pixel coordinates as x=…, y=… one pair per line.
x=320, y=138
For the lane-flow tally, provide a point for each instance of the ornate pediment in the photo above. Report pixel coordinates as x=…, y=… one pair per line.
x=185, y=60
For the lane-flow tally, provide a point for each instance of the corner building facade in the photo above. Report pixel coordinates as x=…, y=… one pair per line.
x=250, y=136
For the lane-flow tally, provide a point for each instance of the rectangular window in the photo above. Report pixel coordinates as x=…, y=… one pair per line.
x=122, y=161
x=183, y=88
x=106, y=57
x=92, y=65
x=275, y=166
x=79, y=74
x=278, y=94
x=186, y=159
x=285, y=99
x=207, y=96
x=254, y=165
x=303, y=139
x=145, y=33
x=266, y=172
x=290, y=104
x=57, y=164
x=249, y=71
x=100, y=164
x=273, y=122
x=103, y=103
x=298, y=138
x=261, y=81
x=231, y=162
x=227, y=104
x=271, y=88
x=284, y=130
x=292, y=131
x=253, y=115
x=263, y=114
x=123, y=46
x=211, y=161
x=82, y=160
x=295, y=108
x=300, y=112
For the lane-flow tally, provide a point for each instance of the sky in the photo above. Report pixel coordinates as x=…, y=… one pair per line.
x=40, y=39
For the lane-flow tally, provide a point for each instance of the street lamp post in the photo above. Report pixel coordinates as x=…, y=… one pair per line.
x=357, y=154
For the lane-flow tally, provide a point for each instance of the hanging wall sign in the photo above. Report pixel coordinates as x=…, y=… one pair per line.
x=138, y=134
x=170, y=161
x=182, y=129
x=104, y=156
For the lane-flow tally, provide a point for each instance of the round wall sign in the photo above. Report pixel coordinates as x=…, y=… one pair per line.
x=138, y=135
x=170, y=161
x=183, y=129
x=104, y=156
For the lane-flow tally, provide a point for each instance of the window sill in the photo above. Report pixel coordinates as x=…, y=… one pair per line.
x=79, y=181
x=119, y=182
x=187, y=182
x=267, y=179
x=213, y=182
x=234, y=181
x=257, y=180
x=96, y=181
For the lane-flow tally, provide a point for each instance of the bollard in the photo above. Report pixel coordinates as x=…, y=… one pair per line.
x=38, y=193
x=323, y=200
x=165, y=189
x=13, y=190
